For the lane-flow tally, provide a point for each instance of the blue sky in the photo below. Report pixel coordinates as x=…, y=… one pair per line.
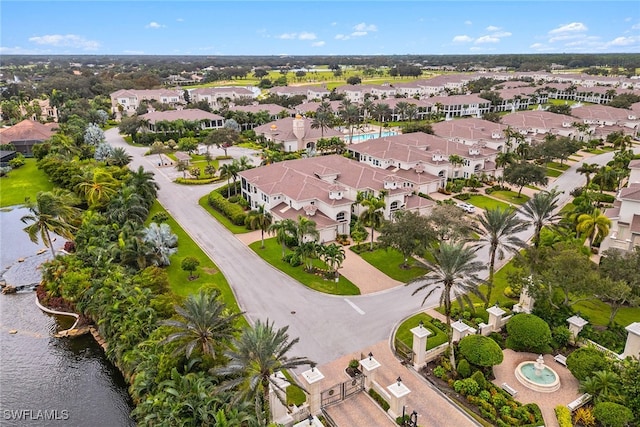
x=318, y=27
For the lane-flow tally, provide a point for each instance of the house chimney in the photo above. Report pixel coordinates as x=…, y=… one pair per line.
x=298, y=127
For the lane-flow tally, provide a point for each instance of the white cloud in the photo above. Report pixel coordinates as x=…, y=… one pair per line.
x=307, y=36
x=154, y=25
x=67, y=40
x=180, y=19
x=501, y=34
x=635, y=27
x=363, y=27
x=297, y=36
x=318, y=43
x=624, y=41
x=467, y=22
x=487, y=39
x=492, y=28
x=287, y=36
x=537, y=46
x=341, y=37
x=573, y=27
x=359, y=33
x=462, y=39
x=566, y=37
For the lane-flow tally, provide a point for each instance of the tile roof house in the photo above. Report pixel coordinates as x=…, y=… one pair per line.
x=207, y=120
x=461, y=105
x=295, y=133
x=324, y=189
x=603, y=116
x=212, y=95
x=426, y=155
x=25, y=134
x=470, y=131
x=535, y=124
x=129, y=99
x=624, y=233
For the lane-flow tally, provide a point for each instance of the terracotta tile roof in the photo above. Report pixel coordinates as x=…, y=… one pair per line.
x=469, y=129
x=417, y=202
x=26, y=130
x=635, y=224
x=612, y=213
x=172, y=115
x=459, y=100
x=634, y=164
x=283, y=211
x=600, y=112
x=632, y=192
x=272, y=109
x=536, y=120
x=283, y=130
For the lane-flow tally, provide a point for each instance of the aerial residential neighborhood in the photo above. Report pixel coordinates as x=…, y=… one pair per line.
x=293, y=222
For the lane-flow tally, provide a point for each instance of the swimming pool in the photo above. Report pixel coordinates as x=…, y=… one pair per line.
x=366, y=136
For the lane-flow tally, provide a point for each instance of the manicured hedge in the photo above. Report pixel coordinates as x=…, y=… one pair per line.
x=611, y=414
x=528, y=332
x=563, y=414
x=188, y=181
x=480, y=350
x=585, y=361
x=234, y=212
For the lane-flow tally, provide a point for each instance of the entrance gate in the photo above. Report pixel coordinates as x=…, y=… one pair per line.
x=341, y=391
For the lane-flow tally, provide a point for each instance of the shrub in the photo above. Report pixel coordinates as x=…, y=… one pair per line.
x=466, y=387
x=464, y=369
x=478, y=377
x=584, y=361
x=439, y=372
x=528, y=332
x=484, y=395
x=563, y=414
x=292, y=259
x=480, y=350
x=379, y=400
x=611, y=414
x=584, y=416
x=560, y=336
x=497, y=337
x=234, y=212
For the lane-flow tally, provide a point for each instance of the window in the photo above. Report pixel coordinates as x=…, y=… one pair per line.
x=393, y=206
x=341, y=217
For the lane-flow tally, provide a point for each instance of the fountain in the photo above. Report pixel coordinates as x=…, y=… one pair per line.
x=537, y=376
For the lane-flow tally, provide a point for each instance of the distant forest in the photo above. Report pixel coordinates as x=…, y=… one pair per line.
x=515, y=62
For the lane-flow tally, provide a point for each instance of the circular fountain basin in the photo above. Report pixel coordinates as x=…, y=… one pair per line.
x=544, y=380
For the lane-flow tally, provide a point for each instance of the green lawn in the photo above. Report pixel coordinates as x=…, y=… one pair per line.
x=556, y=165
x=390, y=261
x=25, y=181
x=553, y=173
x=484, y=202
x=510, y=196
x=235, y=229
x=404, y=335
x=597, y=312
x=533, y=187
x=272, y=253
x=208, y=273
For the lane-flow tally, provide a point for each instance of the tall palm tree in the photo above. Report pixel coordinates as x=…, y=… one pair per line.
x=454, y=270
x=381, y=111
x=401, y=108
x=540, y=211
x=204, y=325
x=282, y=230
x=324, y=118
x=373, y=215
x=226, y=171
x=595, y=226
x=588, y=169
x=497, y=230
x=350, y=115
x=254, y=357
x=261, y=219
x=127, y=205
x=52, y=212
x=306, y=227
x=143, y=181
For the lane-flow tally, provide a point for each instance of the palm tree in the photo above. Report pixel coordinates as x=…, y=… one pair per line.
x=498, y=229
x=143, y=182
x=350, y=115
x=324, y=118
x=226, y=172
x=412, y=112
x=127, y=205
x=254, y=357
x=595, y=225
x=52, y=212
x=306, y=227
x=454, y=270
x=204, y=325
x=602, y=385
x=373, y=216
x=540, y=211
x=260, y=219
x=98, y=188
x=333, y=254
x=381, y=111
x=401, y=108
x=588, y=169
x=307, y=251
x=283, y=229
x=119, y=157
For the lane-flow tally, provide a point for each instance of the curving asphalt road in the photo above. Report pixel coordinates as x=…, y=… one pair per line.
x=328, y=326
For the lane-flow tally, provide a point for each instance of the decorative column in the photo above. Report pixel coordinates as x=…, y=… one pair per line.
x=632, y=348
x=279, y=411
x=576, y=323
x=398, y=392
x=420, y=334
x=495, y=317
x=369, y=366
x=459, y=330
x=313, y=377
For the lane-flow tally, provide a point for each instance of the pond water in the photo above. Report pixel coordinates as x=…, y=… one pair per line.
x=47, y=381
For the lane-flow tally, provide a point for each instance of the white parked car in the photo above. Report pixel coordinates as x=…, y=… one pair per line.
x=467, y=207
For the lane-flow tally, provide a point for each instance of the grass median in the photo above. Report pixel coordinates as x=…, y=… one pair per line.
x=26, y=181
